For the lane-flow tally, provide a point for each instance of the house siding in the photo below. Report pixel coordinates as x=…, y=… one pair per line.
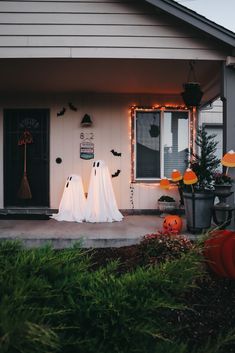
x=111, y=128
x=213, y=114
x=98, y=29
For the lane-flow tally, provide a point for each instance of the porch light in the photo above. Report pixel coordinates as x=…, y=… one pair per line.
x=86, y=121
x=192, y=94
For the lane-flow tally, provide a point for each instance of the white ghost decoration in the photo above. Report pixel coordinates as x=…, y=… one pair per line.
x=101, y=203
x=72, y=204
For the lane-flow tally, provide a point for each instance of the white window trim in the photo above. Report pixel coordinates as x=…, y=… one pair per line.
x=161, y=111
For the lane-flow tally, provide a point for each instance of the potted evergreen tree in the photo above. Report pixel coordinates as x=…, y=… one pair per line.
x=199, y=199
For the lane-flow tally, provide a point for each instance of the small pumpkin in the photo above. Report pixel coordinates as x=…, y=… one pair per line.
x=220, y=253
x=172, y=224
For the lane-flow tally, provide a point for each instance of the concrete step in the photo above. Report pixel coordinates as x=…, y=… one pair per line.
x=64, y=234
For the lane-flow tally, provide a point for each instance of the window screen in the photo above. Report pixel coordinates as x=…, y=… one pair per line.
x=148, y=145
x=175, y=141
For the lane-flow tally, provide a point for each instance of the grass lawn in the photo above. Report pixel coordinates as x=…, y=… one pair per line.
x=155, y=297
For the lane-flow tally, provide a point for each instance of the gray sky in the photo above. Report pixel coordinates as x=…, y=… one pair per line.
x=219, y=11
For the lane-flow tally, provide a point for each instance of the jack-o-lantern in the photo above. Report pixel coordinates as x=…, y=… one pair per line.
x=172, y=224
x=220, y=253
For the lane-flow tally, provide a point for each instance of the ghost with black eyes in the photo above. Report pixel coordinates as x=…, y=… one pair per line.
x=101, y=204
x=72, y=204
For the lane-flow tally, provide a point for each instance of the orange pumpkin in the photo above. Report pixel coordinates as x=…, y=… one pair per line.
x=172, y=224
x=220, y=253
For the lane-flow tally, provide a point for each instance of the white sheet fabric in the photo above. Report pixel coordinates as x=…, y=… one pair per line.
x=72, y=204
x=101, y=204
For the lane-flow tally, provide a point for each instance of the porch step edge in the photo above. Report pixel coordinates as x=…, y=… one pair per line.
x=58, y=243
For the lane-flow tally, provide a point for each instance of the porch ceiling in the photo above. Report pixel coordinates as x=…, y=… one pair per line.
x=105, y=75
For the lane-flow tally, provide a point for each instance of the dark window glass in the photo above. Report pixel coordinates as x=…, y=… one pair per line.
x=148, y=145
x=175, y=141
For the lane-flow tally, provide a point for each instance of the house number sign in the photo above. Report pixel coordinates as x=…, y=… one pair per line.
x=87, y=149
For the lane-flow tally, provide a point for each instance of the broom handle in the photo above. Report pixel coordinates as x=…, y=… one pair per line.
x=25, y=158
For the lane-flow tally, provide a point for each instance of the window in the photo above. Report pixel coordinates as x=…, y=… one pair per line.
x=161, y=143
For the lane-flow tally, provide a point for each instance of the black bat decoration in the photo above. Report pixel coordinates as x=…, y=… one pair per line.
x=72, y=107
x=61, y=112
x=116, y=174
x=115, y=153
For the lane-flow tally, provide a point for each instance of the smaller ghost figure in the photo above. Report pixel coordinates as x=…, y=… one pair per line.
x=101, y=203
x=72, y=204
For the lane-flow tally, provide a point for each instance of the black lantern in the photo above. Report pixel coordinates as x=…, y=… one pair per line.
x=192, y=94
x=86, y=121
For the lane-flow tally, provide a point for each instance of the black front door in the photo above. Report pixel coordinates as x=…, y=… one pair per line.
x=26, y=157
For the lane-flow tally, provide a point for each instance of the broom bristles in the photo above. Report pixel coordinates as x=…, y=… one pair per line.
x=24, y=190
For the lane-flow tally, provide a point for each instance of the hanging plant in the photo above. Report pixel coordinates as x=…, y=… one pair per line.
x=192, y=94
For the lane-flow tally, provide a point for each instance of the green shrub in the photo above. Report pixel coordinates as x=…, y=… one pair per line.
x=31, y=282
x=54, y=301
x=51, y=301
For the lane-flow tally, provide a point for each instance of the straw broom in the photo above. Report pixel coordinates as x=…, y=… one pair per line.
x=24, y=191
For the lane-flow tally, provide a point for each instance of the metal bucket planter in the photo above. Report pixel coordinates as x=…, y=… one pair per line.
x=198, y=211
x=223, y=212
x=166, y=206
x=223, y=191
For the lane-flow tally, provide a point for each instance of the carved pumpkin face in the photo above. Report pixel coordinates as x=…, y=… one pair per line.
x=172, y=224
x=220, y=253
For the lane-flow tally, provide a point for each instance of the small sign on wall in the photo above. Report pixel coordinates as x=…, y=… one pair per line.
x=87, y=150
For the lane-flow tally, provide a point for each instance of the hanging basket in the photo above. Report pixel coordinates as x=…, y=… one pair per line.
x=192, y=94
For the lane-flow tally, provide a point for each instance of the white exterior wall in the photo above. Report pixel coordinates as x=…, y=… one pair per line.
x=111, y=128
x=94, y=29
x=213, y=114
x=98, y=29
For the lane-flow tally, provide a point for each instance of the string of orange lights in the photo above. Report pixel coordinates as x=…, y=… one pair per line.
x=159, y=107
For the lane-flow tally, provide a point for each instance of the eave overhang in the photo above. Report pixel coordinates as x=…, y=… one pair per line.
x=197, y=21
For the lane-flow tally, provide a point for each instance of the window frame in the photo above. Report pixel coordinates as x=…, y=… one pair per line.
x=134, y=139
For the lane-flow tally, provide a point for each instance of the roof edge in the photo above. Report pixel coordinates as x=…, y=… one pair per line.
x=196, y=20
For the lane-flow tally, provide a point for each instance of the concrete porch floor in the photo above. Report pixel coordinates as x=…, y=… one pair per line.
x=64, y=234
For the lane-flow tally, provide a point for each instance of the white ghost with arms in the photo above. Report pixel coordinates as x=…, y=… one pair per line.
x=101, y=203
x=72, y=204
